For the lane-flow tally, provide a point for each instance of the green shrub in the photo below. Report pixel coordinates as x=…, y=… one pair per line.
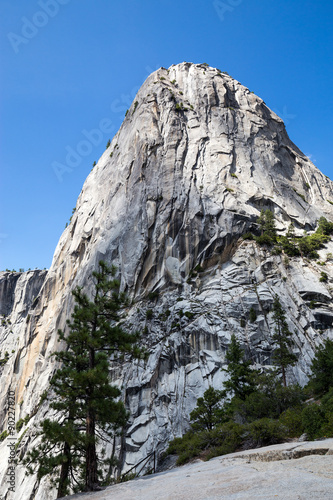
x=324, y=226
x=189, y=314
x=108, y=144
x=225, y=438
x=252, y=315
x=312, y=420
x=4, y=360
x=248, y=236
x=3, y=435
x=21, y=422
x=327, y=427
x=264, y=239
x=327, y=402
x=234, y=175
x=153, y=295
x=323, y=277
x=291, y=419
x=149, y=314
x=289, y=246
x=268, y=399
x=186, y=447
x=198, y=269
x=265, y=431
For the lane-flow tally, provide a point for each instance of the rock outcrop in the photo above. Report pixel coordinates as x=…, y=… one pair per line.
x=195, y=160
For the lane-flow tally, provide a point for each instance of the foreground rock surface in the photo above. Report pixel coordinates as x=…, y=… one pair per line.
x=252, y=475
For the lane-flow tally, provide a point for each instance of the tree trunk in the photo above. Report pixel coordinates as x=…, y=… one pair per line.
x=284, y=376
x=91, y=456
x=64, y=472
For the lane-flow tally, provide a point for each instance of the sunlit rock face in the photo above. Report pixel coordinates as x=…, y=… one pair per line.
x=195, y=160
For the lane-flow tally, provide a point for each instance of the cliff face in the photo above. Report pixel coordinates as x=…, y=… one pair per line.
x=195, y=160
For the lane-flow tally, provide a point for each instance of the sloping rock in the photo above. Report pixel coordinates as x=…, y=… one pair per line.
x=286, y=471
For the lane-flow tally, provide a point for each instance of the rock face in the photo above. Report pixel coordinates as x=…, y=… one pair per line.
x=195, y=160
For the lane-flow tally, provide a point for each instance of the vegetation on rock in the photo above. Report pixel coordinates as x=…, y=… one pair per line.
x=267, y=411
x=87, y=407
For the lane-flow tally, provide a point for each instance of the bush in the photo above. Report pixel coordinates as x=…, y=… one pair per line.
x=268, y=400
x=186, y=447
x=323, y=277
x=3, y=435
x=324, y=226
x=327, y=408
x=225, y=438
x=327, y=402
x=153, y=295
x=265, y=432
x=288, y=246
x=312, y=420
x=252, y=315
x=264, y=239
x=291, y=419
x=149, y=314
x=189, y=314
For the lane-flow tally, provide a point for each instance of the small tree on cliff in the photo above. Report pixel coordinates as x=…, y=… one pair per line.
x=86, y=405
x=321, y=378
x=266, y=223
x=241, y=381
x=282, y=355
x=207, y=413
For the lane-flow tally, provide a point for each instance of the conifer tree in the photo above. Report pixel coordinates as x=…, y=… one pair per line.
x=207, y=412
x=86, y=404
x=321, y=378
x=266, y=223
x=282, y=355
x=241, y=377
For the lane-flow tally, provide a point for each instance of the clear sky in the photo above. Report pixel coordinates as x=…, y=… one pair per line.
x=68, y=64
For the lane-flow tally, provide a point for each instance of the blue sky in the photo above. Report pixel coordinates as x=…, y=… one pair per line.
x=67, y=65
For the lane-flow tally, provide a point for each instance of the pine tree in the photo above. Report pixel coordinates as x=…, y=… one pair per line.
x=266, y=223
x=207, y=412
x=86, y=404
x=282, y=355
x=321, y=378
x=241, y=377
